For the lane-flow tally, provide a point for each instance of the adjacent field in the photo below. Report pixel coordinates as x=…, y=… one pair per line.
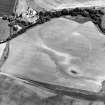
x=7, y=7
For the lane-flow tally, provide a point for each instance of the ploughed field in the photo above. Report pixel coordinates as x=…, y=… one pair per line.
x=7, y=7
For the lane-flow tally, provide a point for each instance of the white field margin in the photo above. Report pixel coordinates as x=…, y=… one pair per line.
x=2, y=47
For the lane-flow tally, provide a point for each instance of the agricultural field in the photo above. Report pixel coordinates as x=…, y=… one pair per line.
x=7, y=7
